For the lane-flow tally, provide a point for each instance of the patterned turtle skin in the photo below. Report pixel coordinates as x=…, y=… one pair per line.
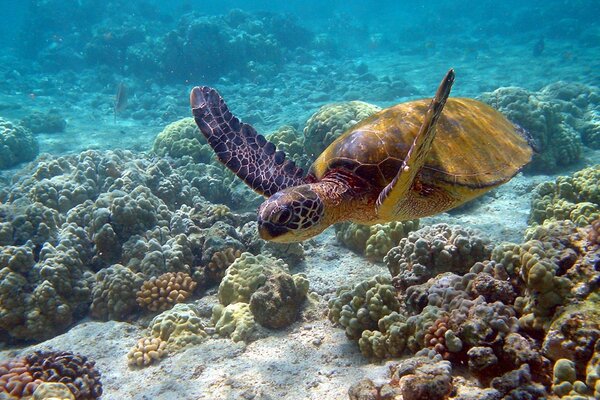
x=408, y=161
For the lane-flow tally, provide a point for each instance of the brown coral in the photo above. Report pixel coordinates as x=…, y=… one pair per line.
x=146, y=351
x=75, y=371
x=16, y=379
x=160, y=294
x=220, y=261
x=435, y=336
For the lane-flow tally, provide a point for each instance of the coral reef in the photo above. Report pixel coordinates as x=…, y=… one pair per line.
x=178, y=327
x=330, y=121
x=49, y=122
x=376, y=240
x=53, y=391
x=159, y=294
x=113, y=295
x=234, y=320
x=146, y=351
x=433, y=250
x=290, y=141
x=182, y=138
x=553, y=116
x=27, y=376
x=246, y=275
x=17, y=144
x=276, y=304
x=576, y=198
x=81, y=233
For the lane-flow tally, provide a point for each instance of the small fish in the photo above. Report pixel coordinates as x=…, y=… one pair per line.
x=538, y=48
x=120, y=99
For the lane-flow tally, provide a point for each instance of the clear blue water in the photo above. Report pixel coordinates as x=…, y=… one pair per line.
x=63, y=62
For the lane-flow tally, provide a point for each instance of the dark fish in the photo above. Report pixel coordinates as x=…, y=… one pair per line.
x=120, y=99
x=538, y=48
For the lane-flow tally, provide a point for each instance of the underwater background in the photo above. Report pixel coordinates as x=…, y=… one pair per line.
x=130, y=264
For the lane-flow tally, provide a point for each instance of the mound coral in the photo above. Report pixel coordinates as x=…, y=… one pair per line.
x=159, y=294
x=553, y=116
x=435, y=249
x=17, y=144
x=234, y=320
x=576, y=198
x=376, y=240
x=182, y=138
x=290, y=141
x=330, y=121
x=178, y=327
x=50, y=122
x=113, y=295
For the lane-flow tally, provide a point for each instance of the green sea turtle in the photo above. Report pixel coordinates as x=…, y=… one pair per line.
x=404, y=162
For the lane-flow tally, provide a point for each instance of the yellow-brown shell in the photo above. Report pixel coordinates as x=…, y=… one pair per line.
x=475, y=146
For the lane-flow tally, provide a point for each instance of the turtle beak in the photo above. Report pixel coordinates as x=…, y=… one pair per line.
x=269, y=231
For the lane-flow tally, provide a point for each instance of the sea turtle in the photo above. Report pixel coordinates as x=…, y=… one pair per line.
x=404, y=162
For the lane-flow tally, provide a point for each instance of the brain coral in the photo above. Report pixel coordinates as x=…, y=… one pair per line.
x=330, y=121
x=17, y=144
x=21, y=378
x=576, y=198
x=178, y=327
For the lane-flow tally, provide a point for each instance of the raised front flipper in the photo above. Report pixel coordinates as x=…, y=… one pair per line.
x=391, y=196
x=237, y=145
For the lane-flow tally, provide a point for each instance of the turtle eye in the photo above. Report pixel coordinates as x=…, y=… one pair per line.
x=282, y=216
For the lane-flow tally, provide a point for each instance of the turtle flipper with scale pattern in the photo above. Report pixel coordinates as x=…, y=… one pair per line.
x=240, y=148
x=408, y=161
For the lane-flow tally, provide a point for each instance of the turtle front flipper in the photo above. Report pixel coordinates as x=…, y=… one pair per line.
x=390, y=199
x=240, y=148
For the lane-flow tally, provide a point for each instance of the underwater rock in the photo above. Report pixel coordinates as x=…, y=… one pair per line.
x=17, y=144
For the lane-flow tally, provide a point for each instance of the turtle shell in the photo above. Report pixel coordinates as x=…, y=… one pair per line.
x=475, y=146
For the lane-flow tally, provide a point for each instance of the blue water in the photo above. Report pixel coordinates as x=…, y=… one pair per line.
x=89, y=86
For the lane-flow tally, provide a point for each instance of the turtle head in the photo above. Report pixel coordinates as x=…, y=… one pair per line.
x=293, y=214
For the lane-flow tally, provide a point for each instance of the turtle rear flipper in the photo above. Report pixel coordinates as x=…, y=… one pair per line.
x=391, y=196
x=240, y=148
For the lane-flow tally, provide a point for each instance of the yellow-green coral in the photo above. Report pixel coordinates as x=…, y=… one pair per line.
x=290, y=141
x=246, y=274
x=330, y=121
x=376, y=240
x=235, y=320
x=180, y=326
x=575, y=197
x=360, y=308
x=146, y=351
x=183, y=138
